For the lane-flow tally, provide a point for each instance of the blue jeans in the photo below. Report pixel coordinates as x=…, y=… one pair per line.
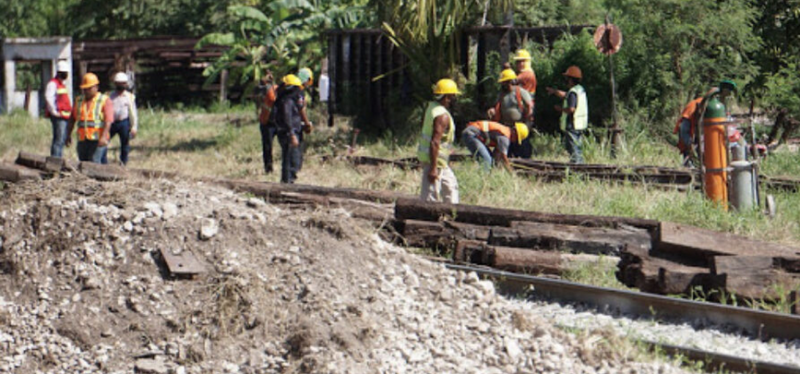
x=476, y=147
x=290, y=163
x=123, y=128
x=268, y=134
x=59, y=136
x=89, y=151
x=572, y=142
x=685, y=134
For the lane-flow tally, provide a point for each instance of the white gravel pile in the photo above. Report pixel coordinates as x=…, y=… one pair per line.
x=83, y=290
x=717, y=339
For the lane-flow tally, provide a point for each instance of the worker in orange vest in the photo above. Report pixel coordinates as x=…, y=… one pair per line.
x=93, y=114
x=266, y=100
x=59, y=107
x=481, y=136
x=686, y=126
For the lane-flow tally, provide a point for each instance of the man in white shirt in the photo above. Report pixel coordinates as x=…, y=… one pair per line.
x=126, y=122
x=59, y=107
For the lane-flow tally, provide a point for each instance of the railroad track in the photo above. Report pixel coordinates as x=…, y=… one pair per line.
x=551, y=171
x=759, y=324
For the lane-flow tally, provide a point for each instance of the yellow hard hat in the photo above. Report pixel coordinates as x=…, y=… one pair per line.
x=522, y=54
x=522, y=131
x=292, y=80
x=507, y=75
x=89, y=80
x=446, y=87
x=306, y=76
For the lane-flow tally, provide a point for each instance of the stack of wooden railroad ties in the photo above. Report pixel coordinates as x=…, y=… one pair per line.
x=656, y=257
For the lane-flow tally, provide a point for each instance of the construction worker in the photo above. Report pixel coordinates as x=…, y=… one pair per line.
x=481, y=136
x=513, y=105
x=574, y=112
x=126, y=119
x=286, y=114
x=59, y=107
x=93, y=114
x=435, y=143
x=686, y=126
x=267, y=94
x=525, y=74
x=307, y=79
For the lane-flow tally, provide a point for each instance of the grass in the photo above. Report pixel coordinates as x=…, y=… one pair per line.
x=226, y=143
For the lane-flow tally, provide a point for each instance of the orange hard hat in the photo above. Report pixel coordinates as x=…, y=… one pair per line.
x=89, y=80
x=574, y=72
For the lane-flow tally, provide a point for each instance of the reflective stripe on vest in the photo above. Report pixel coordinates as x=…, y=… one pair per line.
x=486, y=138
x=424, y=147
x=90, y=120
x=63, y=105
x=580, y=119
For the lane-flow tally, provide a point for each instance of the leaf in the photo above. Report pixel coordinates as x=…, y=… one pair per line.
x=226, y=39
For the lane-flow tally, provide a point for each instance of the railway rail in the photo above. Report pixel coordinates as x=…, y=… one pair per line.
x=755, y=323
x=551, y=171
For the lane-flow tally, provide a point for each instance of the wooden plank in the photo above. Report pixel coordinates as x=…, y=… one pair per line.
x=103, y=172
x=420, y=210
x=703, y=244
x=520, y=260
x=31, y=160
x=768, y=285
x=182, y=263
x=468, y=231
x=427, y=234
x=741, y=264
x=577, y=239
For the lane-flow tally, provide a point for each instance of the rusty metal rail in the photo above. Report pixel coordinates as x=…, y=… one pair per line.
x=759, y=324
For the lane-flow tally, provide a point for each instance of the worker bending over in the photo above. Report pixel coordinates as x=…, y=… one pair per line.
x=93, y=114
x=686, y=126
x=513, y=105
x=126, y=122
x=574, y=113
x=482, y=136
x=435, y=144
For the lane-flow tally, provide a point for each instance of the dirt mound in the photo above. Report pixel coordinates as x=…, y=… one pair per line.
x=83, y=288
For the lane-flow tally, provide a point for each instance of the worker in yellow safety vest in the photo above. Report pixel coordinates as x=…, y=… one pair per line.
x=435, y=144
x=93, y=114
x=574, y=112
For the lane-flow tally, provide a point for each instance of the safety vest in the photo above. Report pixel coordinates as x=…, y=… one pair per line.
x=63, y=106
x=91, y=117
x=580, y=119
x=426, y=135
x=488, y=126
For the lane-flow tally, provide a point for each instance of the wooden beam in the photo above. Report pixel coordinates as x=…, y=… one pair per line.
x=426, y=211
x=702, y=244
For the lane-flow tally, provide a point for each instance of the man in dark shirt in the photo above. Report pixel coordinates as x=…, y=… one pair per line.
x=287, y=118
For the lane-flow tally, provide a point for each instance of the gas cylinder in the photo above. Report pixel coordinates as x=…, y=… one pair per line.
x=715, y=153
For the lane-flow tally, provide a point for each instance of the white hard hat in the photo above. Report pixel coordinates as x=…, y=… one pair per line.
x=121, y=77
x=62, y=66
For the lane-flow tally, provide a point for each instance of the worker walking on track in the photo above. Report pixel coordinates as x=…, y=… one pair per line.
x=286, y=114
x=574, y=113
x=513, y=105
x=435, y=144
x=93, y=114
x=481, y=136
x=267, y=94
x=126, y=119
x=59, y=107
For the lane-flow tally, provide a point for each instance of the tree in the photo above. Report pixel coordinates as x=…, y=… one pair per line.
x=428, y=33
x=288, y=39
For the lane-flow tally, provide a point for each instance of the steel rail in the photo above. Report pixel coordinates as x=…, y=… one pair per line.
x=756, y=323
x=759, y=324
